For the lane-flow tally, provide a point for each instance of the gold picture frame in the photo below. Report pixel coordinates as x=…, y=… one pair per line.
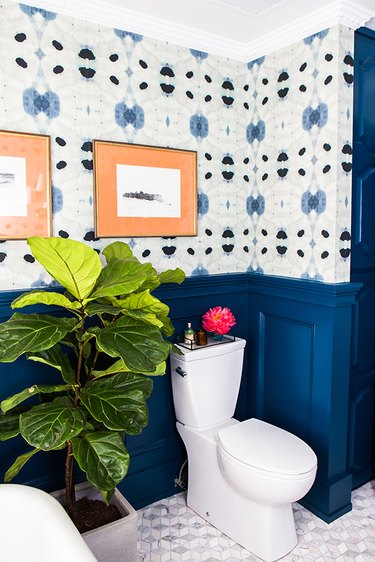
x=25, y=185
x=143, y=190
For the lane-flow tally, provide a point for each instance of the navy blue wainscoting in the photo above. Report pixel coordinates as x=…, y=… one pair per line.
x=299, y=360
x=296, y=375
x=44, y=470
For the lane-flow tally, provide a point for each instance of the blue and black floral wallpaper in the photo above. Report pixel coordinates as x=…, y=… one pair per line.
x=273, y=139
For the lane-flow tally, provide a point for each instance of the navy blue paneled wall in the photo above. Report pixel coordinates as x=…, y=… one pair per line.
x=44, y=467
x=296, y=375
x=362, y=391
x=300, y=334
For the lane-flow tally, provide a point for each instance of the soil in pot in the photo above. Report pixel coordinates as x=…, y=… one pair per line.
x=91, y=514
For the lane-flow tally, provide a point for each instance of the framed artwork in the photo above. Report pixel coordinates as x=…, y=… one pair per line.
x=25, y=185
x=144, y=190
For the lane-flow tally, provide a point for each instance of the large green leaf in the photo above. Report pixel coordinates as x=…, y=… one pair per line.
x=50, y=425
x=172, y=276
x=44, y=297
x=13, y=401
x=73, y=264
x=18, y=464
x=94, y=308
x=31, y=332
x=120, y=367
x=167, y=327
x=119, y=402
x=141, y=347
x=103, y=457
x=162, y=322
x=151, y=283
x=146, y=317
x=120, y=277
x=56, y=358
x=144, y=301
x=168, y=276
x=118, y=250
x=9, y=425
x=159, y=371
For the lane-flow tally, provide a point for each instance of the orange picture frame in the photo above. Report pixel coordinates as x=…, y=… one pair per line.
x=25, y=185
x=143, y=190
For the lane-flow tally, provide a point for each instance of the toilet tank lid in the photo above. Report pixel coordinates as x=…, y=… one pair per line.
x=207, y=351
x=266, y=447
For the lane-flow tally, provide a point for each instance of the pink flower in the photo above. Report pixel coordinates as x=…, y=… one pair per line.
x=218, y=319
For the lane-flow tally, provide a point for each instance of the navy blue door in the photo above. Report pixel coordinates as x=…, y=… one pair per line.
x=362, y=387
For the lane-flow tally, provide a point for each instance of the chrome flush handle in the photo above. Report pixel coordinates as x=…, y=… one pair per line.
x=181, y=372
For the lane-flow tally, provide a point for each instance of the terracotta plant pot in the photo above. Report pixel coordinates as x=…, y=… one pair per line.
x=114, y=542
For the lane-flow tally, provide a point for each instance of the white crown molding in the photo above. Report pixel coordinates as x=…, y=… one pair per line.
x=345, y=12
x=352, y=15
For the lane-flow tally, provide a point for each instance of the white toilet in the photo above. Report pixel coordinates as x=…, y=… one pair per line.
x=243, y=476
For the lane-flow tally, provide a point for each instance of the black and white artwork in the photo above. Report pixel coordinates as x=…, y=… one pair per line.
x=7, y=180
x=13, y=188
x=146, y=191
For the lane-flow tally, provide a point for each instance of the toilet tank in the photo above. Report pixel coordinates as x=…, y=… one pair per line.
x=206, y=382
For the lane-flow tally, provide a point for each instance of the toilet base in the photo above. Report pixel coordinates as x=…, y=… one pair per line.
x=266, y=531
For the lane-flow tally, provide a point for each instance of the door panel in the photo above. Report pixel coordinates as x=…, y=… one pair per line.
x=362, y=385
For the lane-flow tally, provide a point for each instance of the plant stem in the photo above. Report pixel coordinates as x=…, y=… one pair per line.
x=79, y=363
x=89, y=376
x=69, y=486
x=79, y=359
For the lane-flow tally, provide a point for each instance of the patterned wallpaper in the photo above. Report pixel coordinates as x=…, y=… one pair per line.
x=273, y=139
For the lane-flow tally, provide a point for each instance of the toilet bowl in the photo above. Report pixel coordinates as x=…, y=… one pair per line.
x=266, y=463
x=243, y=476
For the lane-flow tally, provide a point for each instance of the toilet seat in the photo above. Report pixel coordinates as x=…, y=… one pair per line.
x=263, y=446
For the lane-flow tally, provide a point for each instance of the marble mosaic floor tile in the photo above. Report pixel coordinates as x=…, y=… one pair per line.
x=170, y=531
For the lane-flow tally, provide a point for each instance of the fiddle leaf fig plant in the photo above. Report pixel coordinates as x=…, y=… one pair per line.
x=107, y=345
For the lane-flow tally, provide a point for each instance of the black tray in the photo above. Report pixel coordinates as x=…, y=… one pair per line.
x=227, y=338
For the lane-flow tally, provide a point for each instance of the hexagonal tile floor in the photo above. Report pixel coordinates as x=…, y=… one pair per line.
x=170, y=531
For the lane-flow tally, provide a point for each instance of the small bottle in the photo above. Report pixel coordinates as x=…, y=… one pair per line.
x=189, y=334
x=201, y=337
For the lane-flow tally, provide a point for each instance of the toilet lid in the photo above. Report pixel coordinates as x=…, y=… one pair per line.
x=266, y=447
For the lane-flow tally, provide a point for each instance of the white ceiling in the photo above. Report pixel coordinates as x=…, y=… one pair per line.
x=239, y=29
